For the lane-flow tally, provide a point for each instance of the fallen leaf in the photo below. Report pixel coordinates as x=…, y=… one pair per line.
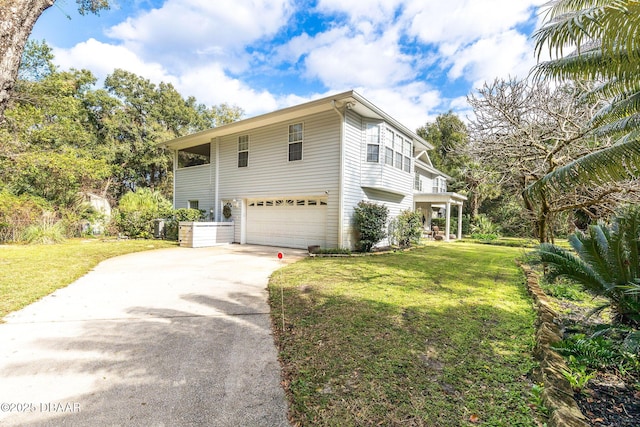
x=474, y=418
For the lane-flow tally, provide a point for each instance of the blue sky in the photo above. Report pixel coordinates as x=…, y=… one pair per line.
x=412, y=58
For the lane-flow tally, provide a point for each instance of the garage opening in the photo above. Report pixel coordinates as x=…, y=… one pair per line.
x=290, y=222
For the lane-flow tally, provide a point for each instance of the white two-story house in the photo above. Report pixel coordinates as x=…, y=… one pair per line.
x=293, y=177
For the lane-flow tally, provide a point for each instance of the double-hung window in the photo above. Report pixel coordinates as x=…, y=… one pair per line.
x=373, y=143
x=295, y=142
x=407, y=155
x=388, y=149
x=398, y=148
x=243, y=151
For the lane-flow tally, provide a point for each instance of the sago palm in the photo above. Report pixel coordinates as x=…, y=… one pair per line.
x=597, y=41
x=604, y=261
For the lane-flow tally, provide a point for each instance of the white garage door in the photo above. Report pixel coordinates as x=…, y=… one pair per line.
x=293, y=223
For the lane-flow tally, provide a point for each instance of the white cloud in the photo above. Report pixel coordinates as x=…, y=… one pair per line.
x=372, y=10
x=102, y=58
x=500, y=56
x=211, y=86
x=463, y=21
x=411, y=104
x=197, y=30
x=355, y=60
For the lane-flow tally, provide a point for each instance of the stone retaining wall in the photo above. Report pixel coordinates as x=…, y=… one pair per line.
x=557, y=393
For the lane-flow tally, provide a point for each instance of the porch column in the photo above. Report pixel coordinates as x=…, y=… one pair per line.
x=447, y=227
x=460, y=221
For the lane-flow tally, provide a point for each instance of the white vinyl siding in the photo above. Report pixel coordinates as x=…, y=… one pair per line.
x=195, y=183
x=271, y=174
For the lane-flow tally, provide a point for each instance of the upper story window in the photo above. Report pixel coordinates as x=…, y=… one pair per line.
x=373, y=143
x=295, y=141
x=194, y=156
x=388, y=150
x=439, y=185
x=417, y=183
x=407, y=155
x=243, y=151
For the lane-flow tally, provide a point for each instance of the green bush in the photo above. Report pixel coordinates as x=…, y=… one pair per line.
x=177, y=215
x=370, y=220
x=137, y=211
x=406, y=228
x=482, y=224
x=605, y=261
x=48, y=231
x=19, y=212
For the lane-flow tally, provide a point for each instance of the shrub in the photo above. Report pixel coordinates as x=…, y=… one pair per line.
x=48, y=231
x=482, y=224
x=19, y=212
x=137, y=210
x=177, y=215
x=370, y=220
x=485, y=237
x=605, y=261
x=406, y=228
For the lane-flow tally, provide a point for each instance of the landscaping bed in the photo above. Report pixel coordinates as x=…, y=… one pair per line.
x=610, y=395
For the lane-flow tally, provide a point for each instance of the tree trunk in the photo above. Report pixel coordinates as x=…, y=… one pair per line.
x=17, y=18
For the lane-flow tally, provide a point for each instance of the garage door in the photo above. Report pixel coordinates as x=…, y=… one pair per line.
x=293, y=223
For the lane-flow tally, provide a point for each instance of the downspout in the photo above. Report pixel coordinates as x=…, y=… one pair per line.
x=340, y=177
x=175, y=169
x=217, y=186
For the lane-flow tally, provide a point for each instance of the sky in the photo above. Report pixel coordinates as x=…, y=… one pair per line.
x=414, y=59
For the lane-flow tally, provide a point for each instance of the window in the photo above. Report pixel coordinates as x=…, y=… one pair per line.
x=439, y=185
x=295, y=142
x=407, y=155
x=398, y=148
x=388, y=150
x=373, y=143
x=243, y=151
x=417, y=185
x=193, y=204
x=407, y=164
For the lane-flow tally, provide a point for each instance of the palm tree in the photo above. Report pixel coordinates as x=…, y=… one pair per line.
x=606, y=263
x=604, y=38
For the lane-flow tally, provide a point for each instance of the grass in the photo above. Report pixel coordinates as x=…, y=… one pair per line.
x=29, y=272
x=437, y=336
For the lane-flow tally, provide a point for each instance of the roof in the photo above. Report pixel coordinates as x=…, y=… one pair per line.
x=350, y=100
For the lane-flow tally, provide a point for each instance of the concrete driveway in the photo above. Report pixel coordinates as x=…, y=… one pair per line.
x=172, y=337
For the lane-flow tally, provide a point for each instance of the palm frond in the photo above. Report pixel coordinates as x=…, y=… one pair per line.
x=563, y=263
x=619, y=114
x=618, y=162
x=575, y=23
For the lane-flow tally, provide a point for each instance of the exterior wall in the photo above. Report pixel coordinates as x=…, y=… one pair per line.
x=195, y=183
x=378, y=183
x=270, y=174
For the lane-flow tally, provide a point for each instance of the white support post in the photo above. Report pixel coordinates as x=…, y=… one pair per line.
x=447, y=227
x=460, y=221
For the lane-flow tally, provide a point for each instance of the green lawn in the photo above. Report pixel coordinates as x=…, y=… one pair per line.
x=29, y=272
x=438, y=336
